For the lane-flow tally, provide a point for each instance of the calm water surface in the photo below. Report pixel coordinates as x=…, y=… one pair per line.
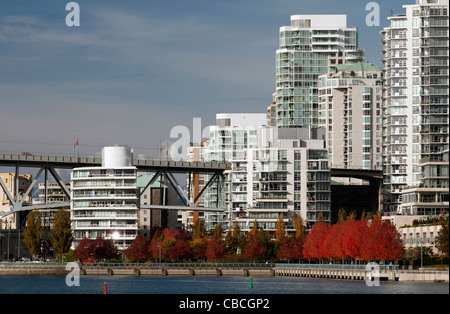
x=208, y=285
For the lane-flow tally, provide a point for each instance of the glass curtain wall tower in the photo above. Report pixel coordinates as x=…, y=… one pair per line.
x=311, y=46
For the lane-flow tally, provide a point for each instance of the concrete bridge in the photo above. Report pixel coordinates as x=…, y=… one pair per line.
x=373, y=176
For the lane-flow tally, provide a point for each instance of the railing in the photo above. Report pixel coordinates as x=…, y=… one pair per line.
x=336, y=266
x=208, y=265
x=29, y=264
x=96, y=159
x=182, y=265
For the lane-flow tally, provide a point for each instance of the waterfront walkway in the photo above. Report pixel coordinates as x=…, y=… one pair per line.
x=324, y=271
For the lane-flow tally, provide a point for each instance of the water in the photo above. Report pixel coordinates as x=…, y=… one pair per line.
x=209, y=285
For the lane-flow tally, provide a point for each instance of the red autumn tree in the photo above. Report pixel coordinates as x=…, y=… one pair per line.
x=394, y=245
x=215, y=249
x=297, y=247
x=386, y=241
x=169, y=233
x=171, y=243
x=104, y=249
x=286, y=249
x=85, y=249
x=179, y=251
x=155, y=247
x=254, y=249
x=326, y=247
x=332, y=242
x=352, y=241
x=314, y=242
x=138, y=249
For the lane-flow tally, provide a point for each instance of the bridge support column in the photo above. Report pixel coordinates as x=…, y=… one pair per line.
x=375, y=194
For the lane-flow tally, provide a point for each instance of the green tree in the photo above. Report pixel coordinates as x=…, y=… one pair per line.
x=199, y=229
x=61, y=234
x=218, y=231
x=442, y=239
x=34, y=233
x=234, y=240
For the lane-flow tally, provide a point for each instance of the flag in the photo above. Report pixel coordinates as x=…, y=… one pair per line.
x=75, y=143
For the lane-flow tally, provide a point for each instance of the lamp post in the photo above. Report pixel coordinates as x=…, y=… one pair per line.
x=421, y=253
x=159, y=247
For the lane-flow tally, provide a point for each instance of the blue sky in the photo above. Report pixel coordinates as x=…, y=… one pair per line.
x=135, y=69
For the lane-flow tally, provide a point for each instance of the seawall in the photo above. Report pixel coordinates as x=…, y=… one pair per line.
x=41, y=269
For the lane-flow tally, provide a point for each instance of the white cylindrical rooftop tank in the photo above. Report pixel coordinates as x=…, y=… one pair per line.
x=117, y=156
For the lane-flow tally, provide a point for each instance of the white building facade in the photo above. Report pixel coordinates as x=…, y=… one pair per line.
x=415, y=96
x=104, y=201
x=350, y=111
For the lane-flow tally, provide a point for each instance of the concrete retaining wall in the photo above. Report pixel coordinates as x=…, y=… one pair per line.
x=60, y=270
x=35, y=271
x=429, y=276
x=433, y=276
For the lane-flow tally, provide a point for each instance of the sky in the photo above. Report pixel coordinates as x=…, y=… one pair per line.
x=133, y=70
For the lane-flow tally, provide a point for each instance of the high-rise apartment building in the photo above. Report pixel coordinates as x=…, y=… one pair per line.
x=104, y=199
x=415, y=96
x=350, y=112
x=311, y=46
x=230, y=139
x=431, y=196
x=274, y=172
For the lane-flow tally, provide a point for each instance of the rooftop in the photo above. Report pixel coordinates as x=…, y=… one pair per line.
x=360, y=66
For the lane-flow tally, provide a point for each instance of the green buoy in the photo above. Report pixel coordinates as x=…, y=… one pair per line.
x=251, y=282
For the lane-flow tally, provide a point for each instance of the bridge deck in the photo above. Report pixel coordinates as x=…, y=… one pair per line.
x=72, y=161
